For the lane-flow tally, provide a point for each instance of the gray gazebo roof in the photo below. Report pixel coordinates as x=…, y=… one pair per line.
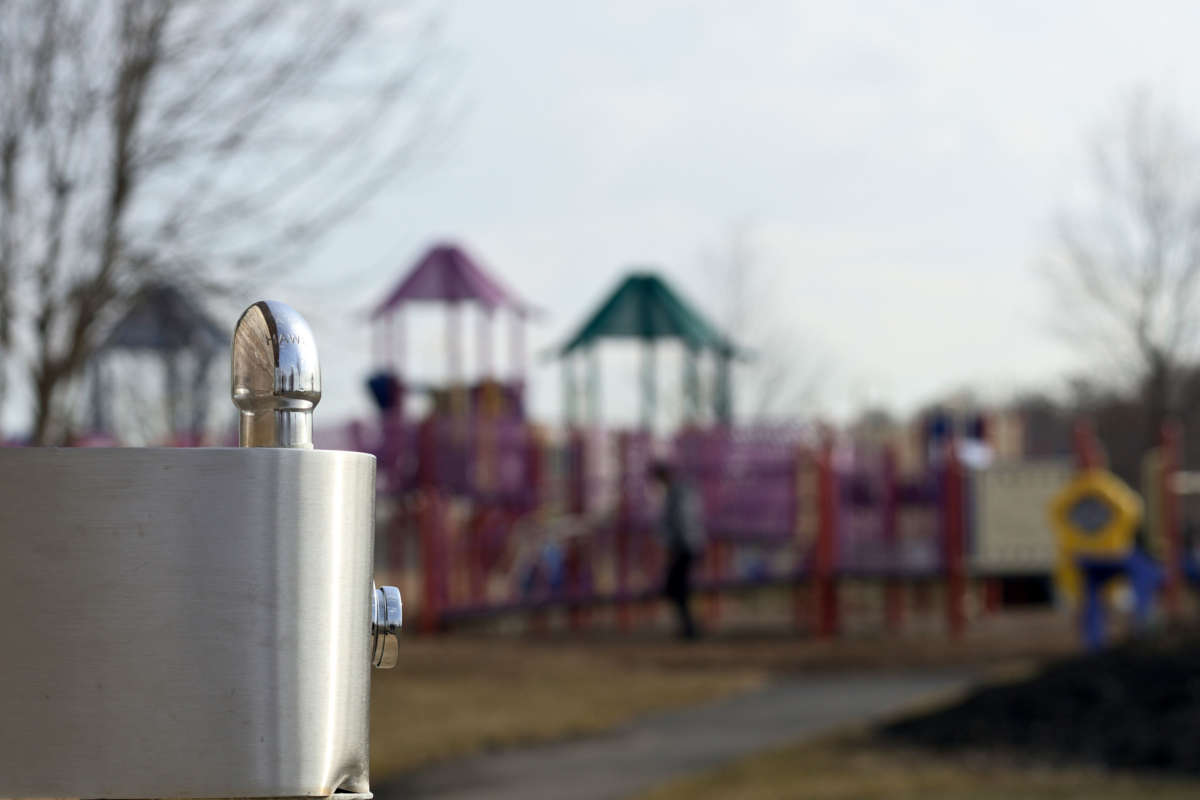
x=162, y=318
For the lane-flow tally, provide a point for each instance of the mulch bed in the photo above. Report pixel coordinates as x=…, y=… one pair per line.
x=1133, y=707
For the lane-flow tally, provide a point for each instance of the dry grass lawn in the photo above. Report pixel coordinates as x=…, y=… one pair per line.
x=452, y=696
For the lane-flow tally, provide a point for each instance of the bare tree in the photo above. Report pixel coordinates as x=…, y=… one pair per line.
x=783, y=377
x=1124, y=269
x=194, y=141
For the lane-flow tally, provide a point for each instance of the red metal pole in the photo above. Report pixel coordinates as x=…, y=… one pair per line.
x=574, y=577
x=955, y=543
x=427, y=472
x=428, y=569
x=1088, y=452
x=799, y=475
x=647, y=553
x=624, y=513
x=715, y=568
x=1173, y=583
x=577, y=479
x=893, y=586
x=475, y=574
x=533, y=469
x=397, y=527
x=826, y=580
x=431, y=562
x=713, y=558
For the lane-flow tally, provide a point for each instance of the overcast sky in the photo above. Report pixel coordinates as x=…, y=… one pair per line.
x=895, y=163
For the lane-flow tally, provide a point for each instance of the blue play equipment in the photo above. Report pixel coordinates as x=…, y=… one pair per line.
x=1145, y=577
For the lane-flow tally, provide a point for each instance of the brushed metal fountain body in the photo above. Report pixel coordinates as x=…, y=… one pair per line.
x=194, y=622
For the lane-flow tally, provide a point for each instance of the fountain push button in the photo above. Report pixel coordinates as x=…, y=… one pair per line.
x=386, y=618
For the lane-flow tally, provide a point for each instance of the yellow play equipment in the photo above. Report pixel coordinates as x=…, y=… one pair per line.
x=1096, y=515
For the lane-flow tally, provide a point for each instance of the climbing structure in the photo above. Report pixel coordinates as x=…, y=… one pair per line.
x=485, y=515
x=460, y=468
x=448, y=277
x=473, y=437
x=645, y=308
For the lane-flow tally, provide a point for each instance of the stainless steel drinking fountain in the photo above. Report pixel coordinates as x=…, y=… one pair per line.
x=186, y=623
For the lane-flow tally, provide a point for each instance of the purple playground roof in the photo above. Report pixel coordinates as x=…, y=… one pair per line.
x=446, y=274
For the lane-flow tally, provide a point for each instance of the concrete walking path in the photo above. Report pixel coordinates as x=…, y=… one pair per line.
x=655, y=748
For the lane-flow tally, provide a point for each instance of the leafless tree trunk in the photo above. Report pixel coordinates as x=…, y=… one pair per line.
x=194, y=141
x=1125, y=269
x=783, y=377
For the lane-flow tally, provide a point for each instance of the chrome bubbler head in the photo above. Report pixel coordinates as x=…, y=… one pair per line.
x=275, y=376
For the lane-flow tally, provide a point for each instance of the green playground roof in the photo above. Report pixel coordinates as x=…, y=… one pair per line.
x=645, y=307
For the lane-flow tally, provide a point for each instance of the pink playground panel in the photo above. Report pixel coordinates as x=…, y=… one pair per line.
x=747, y=479
x=493, y=462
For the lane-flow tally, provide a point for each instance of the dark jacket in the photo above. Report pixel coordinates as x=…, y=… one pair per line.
x=682, y=524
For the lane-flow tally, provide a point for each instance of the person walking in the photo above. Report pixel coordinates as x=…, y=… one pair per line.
x=681, y=527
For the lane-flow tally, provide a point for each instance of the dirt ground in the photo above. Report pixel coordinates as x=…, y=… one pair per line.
x=1133, y=707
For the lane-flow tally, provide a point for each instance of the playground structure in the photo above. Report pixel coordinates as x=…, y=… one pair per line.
x=473, y=441
x=1097, y=518
x=783, y=508
x=485, y=515
x=460, y=449
x=645, y=309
